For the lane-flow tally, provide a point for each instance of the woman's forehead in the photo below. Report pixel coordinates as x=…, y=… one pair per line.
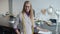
x=27, y=4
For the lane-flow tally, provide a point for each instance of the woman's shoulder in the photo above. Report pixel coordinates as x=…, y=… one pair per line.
x=20, y=14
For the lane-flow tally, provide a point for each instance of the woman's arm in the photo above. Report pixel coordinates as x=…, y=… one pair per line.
x=41, y=29
x=16, y=24
x=17, y=31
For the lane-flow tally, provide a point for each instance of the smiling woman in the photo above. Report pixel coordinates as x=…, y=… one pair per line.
x=26, y=19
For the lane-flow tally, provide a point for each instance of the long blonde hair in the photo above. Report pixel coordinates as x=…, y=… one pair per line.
x=31, y=10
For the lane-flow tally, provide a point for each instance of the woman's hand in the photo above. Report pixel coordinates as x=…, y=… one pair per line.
x=44, y=30
x=17, y=31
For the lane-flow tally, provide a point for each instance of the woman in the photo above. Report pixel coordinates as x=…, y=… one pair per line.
x=26, y=19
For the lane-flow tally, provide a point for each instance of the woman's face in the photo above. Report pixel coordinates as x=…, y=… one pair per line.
x=27, y=7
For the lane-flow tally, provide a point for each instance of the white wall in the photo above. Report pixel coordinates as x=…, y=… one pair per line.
x=4, y=6
x=17, y=6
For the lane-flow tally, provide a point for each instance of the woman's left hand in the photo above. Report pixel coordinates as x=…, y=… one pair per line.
x=45, y=30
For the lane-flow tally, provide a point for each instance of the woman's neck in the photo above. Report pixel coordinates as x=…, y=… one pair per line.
x=27, y=13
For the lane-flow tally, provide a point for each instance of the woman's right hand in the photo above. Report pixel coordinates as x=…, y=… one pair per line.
x=17, y=31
